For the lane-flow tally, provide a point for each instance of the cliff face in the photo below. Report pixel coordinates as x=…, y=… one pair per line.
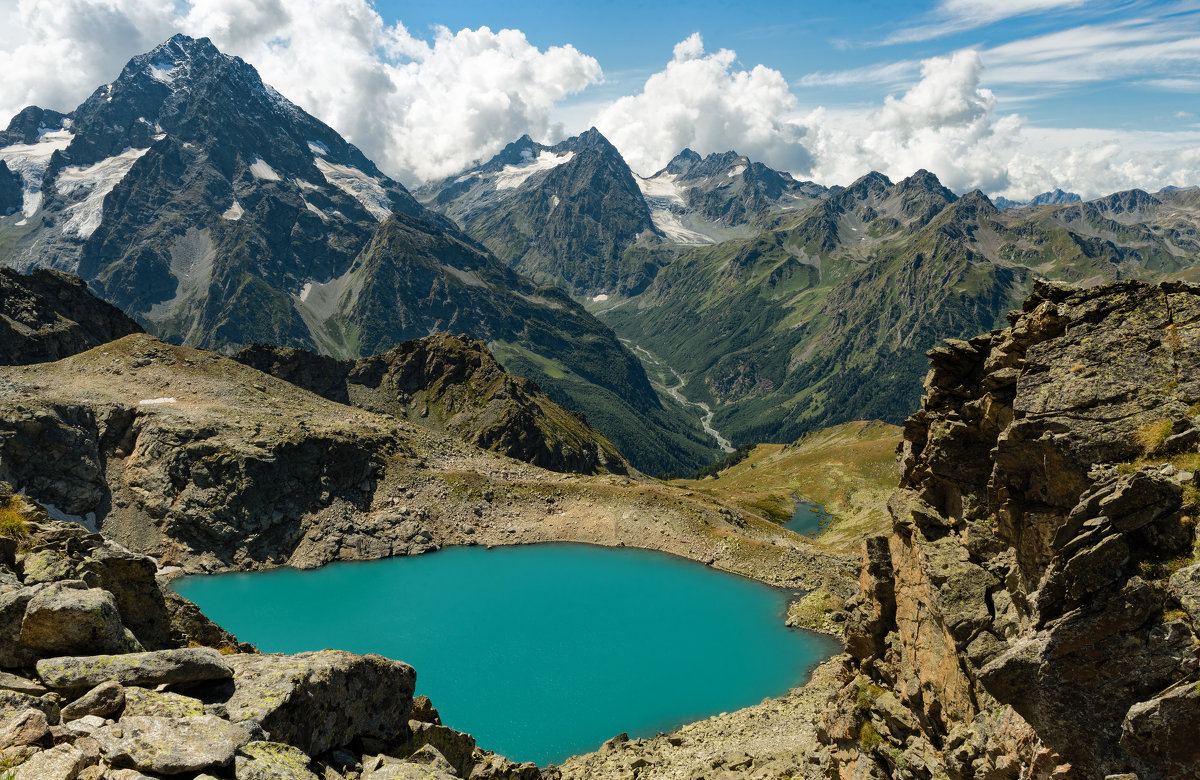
x=451, y=384
x=47, y=315
x=1034, y=613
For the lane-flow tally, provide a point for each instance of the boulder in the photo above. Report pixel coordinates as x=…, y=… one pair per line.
x=62, y=762
x=156, y=667
x=165, y=704
x=431, y=757
x=1185, y=587
x=25, y=727
x=12, y=701
x=171, y=746
x=454, y=746
x=13, y=654
x=1164, y=731
x=13, y=682
x=67, y=617
x=105, y=699
x=407, y=771
x=272, y=761
x=321, y=700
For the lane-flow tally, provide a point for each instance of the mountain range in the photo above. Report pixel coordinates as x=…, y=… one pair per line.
x=717, y=301
x=218, y=214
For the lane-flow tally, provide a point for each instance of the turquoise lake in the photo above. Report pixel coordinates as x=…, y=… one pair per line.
x=540, y=652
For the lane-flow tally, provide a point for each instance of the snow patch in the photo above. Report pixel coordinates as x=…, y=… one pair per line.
x=260, y=170
x=513, y=176
x=554, y=201
x=163, y=73
x=234, y=212
x=670, y=226
x=305, y=291
x=367, y=190
x=661, y=190
x=96, y=181
x=88, y=521
x=600, y=298
x=465, y=177
x=737, y=171
x=318, y=148
x=30, y=161
x=324, y=217
x=152, y=401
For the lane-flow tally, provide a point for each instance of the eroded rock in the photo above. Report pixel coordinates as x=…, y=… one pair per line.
x=171, y=745
x=156, y=667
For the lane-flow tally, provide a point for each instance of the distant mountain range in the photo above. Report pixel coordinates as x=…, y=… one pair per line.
x=218, y=214
x=1045, y=199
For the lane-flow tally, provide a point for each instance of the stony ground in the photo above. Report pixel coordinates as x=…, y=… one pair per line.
x=774, y=739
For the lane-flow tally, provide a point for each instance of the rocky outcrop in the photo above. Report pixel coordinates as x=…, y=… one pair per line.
x=451, y=384
x=47, y=315
x=1029, y=616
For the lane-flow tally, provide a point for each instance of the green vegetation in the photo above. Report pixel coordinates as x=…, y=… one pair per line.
x=730, y=460
x=1152, y=435
x=868, y=737
x=13, y=522
x=849, y=469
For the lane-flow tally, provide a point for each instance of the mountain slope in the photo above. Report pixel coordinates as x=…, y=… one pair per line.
x=218, y=214
x=451, y=384
x=827, y=320
x=563, y=214
x=48, y=315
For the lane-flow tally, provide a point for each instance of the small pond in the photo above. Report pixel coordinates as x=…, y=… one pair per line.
x=808, y=519
x=540, y=652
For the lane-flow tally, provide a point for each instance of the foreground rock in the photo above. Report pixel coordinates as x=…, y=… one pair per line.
x=1023, y=620
x=322, y=700
x=170, y=746
x=161, y=667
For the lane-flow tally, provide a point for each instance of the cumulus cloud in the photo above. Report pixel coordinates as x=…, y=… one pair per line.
x=420, y=109
x=948, y=123
x=55, y=52
x=703, y=101
x=945, y=123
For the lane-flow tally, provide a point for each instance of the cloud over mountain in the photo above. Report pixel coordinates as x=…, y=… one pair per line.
x=420, y=109
x=704, y=102
x=426, y=108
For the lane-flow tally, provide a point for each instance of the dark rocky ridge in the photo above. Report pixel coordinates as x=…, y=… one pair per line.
x=48, y=315
x=451, y=384
x=11, y=195
x=1036, y=605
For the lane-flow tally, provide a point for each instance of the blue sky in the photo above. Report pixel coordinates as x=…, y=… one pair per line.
x=1014, y=97
x=803, y=40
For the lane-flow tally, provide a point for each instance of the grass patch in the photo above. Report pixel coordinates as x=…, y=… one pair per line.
x=1151, y=436
x=13, y=522
x=868, y=737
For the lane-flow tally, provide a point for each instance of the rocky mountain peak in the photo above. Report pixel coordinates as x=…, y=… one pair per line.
x=681, y=163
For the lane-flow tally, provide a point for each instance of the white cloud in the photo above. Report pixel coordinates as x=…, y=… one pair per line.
x=419, y=109
x=53, y=53
x=953, y=16
x=948, y=123
x=704, y=102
